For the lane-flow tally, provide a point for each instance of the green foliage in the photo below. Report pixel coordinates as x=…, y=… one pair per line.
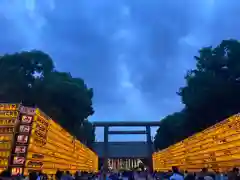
x=31, y=78
x=210, y=95
x=170, y=130
x=86, y=133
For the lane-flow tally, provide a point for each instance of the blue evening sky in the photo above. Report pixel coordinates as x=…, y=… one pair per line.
x=134, y=53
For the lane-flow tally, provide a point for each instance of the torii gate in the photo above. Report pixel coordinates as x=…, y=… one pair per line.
x=107, y=132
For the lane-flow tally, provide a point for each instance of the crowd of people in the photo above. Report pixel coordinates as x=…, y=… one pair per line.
x=174, y=174
x=60, y=175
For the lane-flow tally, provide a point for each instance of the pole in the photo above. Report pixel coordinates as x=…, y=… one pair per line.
x=150, y=150
x=105, y=164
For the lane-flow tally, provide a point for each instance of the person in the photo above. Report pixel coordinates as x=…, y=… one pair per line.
x=233, y=175
x=26, y=178
x=58, y=175
x=45, y=177
x=40, y=176
x=135, y=175
x=113, y=176
x=105, y=176
x=5, y=175
x=77, y=175
x=176, y=175
x=67, y=176
x=205, y=175
x=219, y=175
x=168, y=174
x=189, y=176
x=185, y=173
x=33, y=175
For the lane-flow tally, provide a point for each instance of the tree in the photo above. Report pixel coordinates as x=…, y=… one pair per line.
x=86, y=133
x=170, y=130
x=210, y=94
x=31, y=78
x=18, y=73
x=69, y=97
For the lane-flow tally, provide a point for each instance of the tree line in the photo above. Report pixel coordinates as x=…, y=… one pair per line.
x=31, y=78
x=211, y=94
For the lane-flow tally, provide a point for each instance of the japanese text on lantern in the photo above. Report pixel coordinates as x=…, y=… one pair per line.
x=8, y=121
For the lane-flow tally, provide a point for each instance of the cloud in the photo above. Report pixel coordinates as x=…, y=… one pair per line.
x=133, y=53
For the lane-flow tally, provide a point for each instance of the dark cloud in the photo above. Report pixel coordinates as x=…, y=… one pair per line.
x=133, y=53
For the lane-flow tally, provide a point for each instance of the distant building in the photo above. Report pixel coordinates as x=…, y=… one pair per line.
x=117, y=164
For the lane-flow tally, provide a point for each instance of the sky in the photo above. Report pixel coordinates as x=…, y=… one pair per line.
x=133, y=53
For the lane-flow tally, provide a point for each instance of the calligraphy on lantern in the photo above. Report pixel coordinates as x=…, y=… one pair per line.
x=8, y=114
